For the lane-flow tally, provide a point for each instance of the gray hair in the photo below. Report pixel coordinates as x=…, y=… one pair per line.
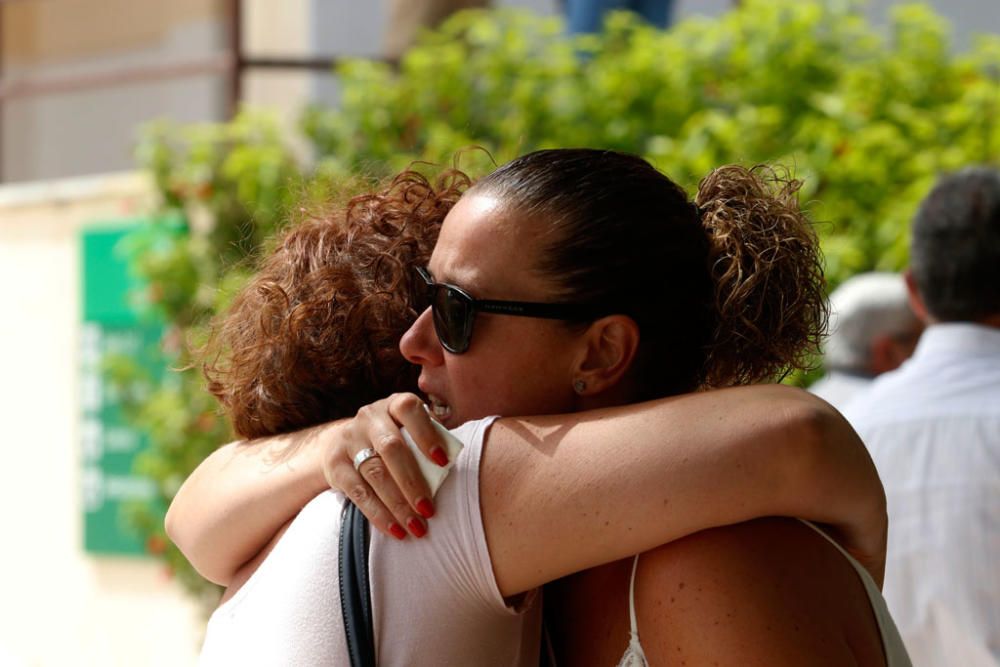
x=865, y=307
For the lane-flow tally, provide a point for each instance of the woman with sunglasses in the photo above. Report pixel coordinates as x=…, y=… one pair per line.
x=626, y=479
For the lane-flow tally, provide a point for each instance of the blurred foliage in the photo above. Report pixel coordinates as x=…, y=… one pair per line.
x=866, y=118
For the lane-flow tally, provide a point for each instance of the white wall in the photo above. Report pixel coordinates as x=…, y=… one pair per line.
x=59, y=605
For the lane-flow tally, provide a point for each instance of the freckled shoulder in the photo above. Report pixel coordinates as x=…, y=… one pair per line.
x=765, y=592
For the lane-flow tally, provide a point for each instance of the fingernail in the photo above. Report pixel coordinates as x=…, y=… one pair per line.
x=425, y=507
x=416, y=527
x=397, y=531
x=439, y=457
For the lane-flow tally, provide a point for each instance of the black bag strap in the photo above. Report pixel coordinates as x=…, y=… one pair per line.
x=355, y=593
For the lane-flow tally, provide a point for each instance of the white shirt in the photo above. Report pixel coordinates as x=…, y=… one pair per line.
x=933, y=429
x=435, y=600
x=839, y=388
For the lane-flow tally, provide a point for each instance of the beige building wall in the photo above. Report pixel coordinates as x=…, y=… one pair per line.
x=279, y=30
x=81, y=132
x=61, y=606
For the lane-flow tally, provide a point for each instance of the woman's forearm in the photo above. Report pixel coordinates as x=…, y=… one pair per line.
x=600, y=485
x=235, y=501
x=611, y=483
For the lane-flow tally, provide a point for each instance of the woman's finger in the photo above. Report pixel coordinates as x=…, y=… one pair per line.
x=395, y=477
x=376, y=473
x=411, y=413
x=350, y=481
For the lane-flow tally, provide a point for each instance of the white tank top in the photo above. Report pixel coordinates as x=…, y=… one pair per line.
x=892, y=643
x=435, y=600
x=634, y=655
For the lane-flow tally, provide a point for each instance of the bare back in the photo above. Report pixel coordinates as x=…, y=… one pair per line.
x=769, y=592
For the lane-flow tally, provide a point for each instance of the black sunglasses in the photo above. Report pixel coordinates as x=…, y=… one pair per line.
x=454, y=312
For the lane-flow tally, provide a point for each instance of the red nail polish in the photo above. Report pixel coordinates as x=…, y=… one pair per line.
x=425, y=508
x=416, y=527
x=439, y=457
x=397, y=531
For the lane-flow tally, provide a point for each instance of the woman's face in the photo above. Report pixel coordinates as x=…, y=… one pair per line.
x=514, y=365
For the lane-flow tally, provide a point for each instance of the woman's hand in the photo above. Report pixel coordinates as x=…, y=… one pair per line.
x=239, y=497
x=387, y=486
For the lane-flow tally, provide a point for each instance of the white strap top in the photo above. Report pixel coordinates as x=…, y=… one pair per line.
x=895, y=652
x=892, y=643
x=634, y=655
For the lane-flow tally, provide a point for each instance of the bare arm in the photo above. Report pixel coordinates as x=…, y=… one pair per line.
x=240, y=496
x=607, y=484
x=600, y=480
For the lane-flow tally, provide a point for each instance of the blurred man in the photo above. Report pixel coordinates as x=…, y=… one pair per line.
x=872, y=331
x=933, y=428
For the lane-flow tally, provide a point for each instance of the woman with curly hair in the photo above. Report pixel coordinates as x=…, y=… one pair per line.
x=597, y=285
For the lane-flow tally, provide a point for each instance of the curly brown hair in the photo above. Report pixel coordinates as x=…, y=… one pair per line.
x=314, y=335
x=767, y=271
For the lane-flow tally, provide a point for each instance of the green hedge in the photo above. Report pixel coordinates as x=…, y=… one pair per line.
x=866, y=119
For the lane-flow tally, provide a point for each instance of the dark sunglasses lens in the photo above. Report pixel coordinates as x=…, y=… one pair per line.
x=423, y=298
x=452, y=312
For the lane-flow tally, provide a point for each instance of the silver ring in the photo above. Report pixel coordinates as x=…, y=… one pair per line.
x=363, y=456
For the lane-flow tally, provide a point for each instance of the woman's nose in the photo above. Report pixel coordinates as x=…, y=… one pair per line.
x=419, y=345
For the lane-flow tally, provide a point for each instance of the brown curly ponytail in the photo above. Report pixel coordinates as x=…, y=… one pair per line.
x=767, y=272
x=314, y=335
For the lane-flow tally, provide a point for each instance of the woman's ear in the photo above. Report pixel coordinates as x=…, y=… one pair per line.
x=610, y=347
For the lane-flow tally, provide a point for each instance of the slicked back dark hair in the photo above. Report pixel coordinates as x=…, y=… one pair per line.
x=955, y=249
x=725, y=289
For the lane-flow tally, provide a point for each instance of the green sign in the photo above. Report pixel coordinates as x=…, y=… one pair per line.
x=111, y=329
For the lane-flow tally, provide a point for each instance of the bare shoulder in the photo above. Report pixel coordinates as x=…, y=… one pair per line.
x=766, y=592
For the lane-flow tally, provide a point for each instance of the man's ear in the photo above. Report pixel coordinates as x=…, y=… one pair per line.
x=610, y=347
x=887, y=354
x=916, y=301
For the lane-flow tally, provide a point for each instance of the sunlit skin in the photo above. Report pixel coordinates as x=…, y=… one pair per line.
x=515, y=365
x=518, y=365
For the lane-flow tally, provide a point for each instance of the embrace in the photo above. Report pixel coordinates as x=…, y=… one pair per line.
x=628, y=493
